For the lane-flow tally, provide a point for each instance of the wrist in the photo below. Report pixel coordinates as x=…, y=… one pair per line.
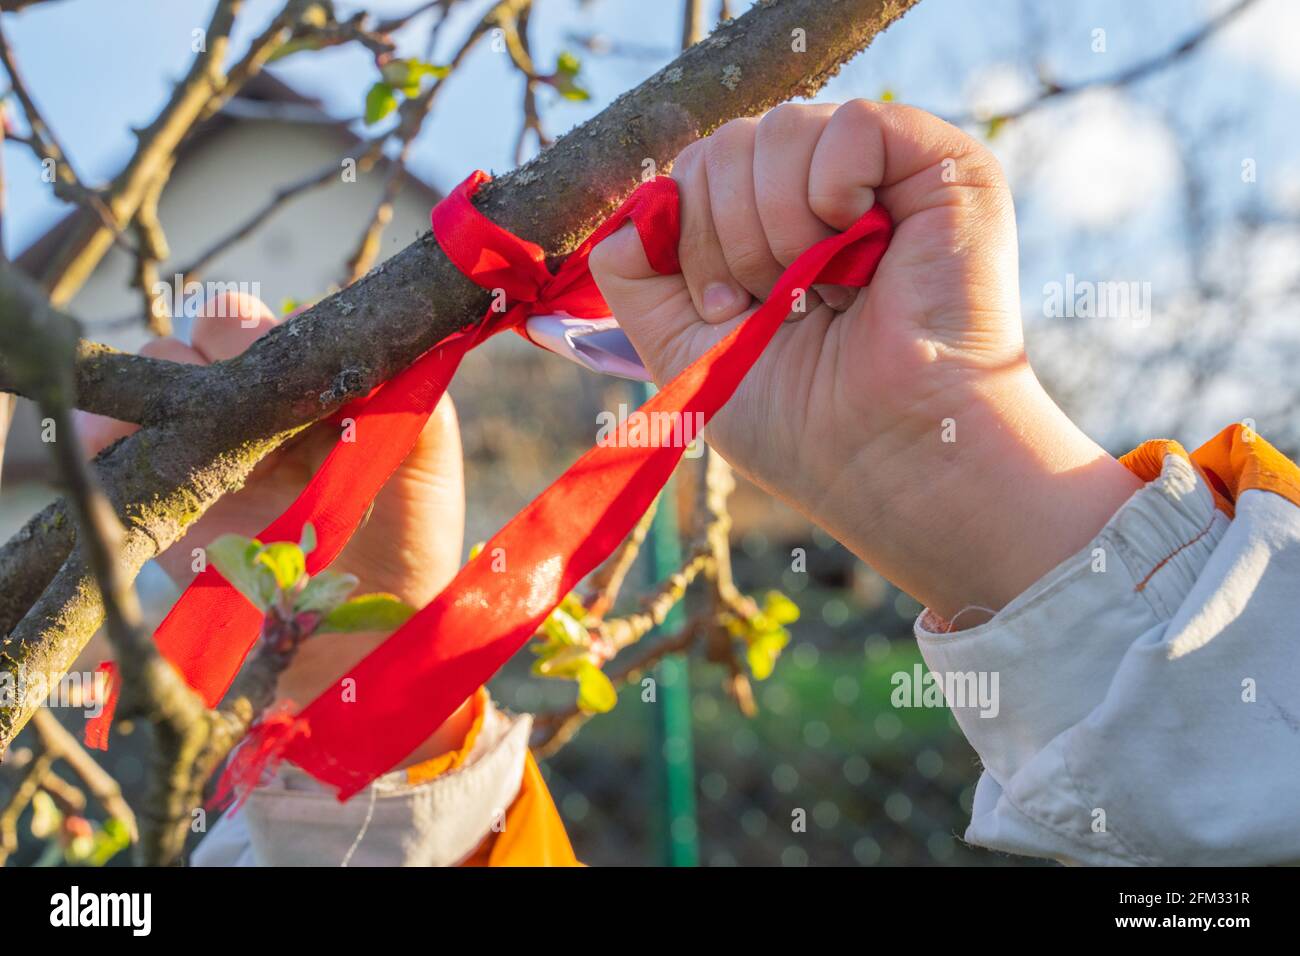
x=982, y=491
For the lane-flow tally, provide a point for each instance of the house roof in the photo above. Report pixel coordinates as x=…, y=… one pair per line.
x=265, y=98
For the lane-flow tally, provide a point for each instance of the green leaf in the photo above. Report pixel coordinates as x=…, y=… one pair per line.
x=286, y=561
x=562, y=627
x=45, y=815
x=406, y=75
x=780, y=608
x=573, y=606
x=763, y=651
x=110, y=839
x=565, y=80
x=325, y=591
x=369, y=612
x=994, y=126
x=236, y=558
x=567, y=64
x=572, y=91
x=308, y=540
x=380, y=101
x=561, y=661
x=79, y=848
x=596, y=694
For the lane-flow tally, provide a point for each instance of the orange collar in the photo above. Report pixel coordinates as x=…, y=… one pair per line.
x=427, y=770
x=1232, y=462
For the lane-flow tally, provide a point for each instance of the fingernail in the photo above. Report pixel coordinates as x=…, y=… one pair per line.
x=837, y=297
x=720, y=301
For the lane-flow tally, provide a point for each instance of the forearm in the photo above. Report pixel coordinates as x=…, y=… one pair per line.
x=991, y=487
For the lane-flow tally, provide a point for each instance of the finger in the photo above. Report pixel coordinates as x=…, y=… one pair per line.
x=847, y=164
x=907, y=158
x=654, y=310
x=729, y=160
x=415, y=533
x=97, y=432
x=716, y=294
x=229, y=323
x=784, y=144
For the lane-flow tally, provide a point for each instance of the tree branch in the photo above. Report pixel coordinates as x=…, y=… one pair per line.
x=105, y=381
x=165, y=476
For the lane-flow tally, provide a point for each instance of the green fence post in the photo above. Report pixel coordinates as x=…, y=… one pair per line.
x=672, y=752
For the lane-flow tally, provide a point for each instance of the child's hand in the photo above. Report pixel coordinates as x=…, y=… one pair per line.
x=904, y=417
x=411, y=544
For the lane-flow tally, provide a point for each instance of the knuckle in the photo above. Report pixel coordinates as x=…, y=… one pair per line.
x=979, y=178
x=731, y=143
x=861, y=110
x=614, y=257
x=781, y=120
x=976, y=165
x=600, y=260
x=687, y=158
x=749, y=262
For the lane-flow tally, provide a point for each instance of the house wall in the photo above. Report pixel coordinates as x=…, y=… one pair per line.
x=299, y=253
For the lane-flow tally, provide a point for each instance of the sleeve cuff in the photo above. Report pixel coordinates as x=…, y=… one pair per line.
x=1045, y=661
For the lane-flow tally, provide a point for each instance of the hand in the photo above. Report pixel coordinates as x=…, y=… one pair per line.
x=410, y=546
x=846, y=414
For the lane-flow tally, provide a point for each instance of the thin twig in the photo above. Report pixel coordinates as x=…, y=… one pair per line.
x=414, y=112
x=57, y=740
x=45, y=145
x=1053, y=90
x=607, y=580
x=554, y=730
x=28, y=786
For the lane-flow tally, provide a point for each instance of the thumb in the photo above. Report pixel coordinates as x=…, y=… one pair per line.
x=654, y=310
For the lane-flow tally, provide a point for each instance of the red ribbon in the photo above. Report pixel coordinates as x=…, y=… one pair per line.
x=404, y=689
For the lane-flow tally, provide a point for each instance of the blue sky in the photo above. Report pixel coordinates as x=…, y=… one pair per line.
x=98, y=68
x=1101, y=180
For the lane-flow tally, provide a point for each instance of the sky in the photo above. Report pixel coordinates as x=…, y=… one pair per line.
x=946, y=55
x=1100, y=179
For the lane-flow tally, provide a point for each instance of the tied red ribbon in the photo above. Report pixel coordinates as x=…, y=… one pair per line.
x=414, y=680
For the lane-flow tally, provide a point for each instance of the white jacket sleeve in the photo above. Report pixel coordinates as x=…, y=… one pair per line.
x=1148, y=689
x=291, y=819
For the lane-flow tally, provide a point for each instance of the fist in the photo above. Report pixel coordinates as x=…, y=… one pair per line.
x=857, y=372
x=842, y=416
